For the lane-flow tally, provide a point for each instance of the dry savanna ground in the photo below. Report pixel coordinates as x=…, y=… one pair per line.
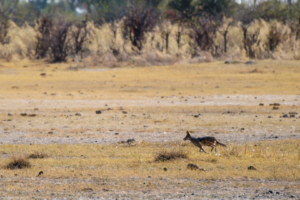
x=50, y=109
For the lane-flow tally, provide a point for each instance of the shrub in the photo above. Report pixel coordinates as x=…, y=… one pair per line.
x=4, y=38
x=204, y=31
x=52, y=38
x=137, y=22
x=275, y=37
x=170, y=155
x=79, y=36
x=44, y=28
x=60, y=43
x=250, y=40
x=18, y=163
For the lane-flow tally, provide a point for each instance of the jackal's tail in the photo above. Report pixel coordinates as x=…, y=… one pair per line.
x=221, y=144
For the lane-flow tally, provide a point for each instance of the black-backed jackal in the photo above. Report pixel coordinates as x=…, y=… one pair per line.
x=203, y=141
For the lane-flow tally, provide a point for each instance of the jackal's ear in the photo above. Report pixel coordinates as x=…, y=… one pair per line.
x=187, y=132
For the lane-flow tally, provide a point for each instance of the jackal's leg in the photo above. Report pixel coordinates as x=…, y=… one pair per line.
x=212, y=149
x=202, y=149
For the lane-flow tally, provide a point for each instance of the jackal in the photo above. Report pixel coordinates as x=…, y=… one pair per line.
x=203, y=141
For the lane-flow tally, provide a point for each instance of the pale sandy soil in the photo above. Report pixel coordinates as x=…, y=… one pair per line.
x=59, y=117
x=163, y=188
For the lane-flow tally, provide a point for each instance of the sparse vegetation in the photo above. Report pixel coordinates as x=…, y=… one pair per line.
x=18, y=163
x=170, y=155
x=37, y=155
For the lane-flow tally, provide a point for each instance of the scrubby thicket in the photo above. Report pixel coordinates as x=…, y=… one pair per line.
x=149, y=32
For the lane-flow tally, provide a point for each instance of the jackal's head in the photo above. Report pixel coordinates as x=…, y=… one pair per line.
x=188, y=136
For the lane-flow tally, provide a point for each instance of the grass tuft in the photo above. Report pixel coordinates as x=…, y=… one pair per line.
x=170, y=155
x=18, y=163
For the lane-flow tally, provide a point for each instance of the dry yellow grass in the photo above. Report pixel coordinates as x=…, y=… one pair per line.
x=277, y=77
x=272, y=159
x=277, y=160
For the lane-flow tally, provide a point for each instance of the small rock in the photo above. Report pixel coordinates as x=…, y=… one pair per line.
x=242, y=129
x=277, y=192
x=269, y=116
x=196, y=116
x=275, y=108
x=23, y=114
x=116, y=133
x=292, y=196
x=43, y=74
x=130, y=141
x=261, y=104
x=109, y=109
x=50, y=132
x=285, y=116
x=149, y=176
x=165, y=169
x=98, y=112
x=251, y=168
x=232, y=62
x=31, y=115
x=249, y=62
x=276, y=104
x=276, y=137
x=270, y=191
x=9, y=114
x=292, y=115
x=77, y=114
x=35, y=109
x=124, y=112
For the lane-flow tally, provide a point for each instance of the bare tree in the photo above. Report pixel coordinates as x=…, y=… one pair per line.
x=224, y=33
x=138, y=21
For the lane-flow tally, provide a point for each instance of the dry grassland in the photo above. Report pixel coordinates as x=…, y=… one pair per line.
x=273, y=77
x=155, y=106
x=131, y=168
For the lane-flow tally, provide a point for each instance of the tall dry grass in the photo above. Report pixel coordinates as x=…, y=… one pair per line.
x=103, y=48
